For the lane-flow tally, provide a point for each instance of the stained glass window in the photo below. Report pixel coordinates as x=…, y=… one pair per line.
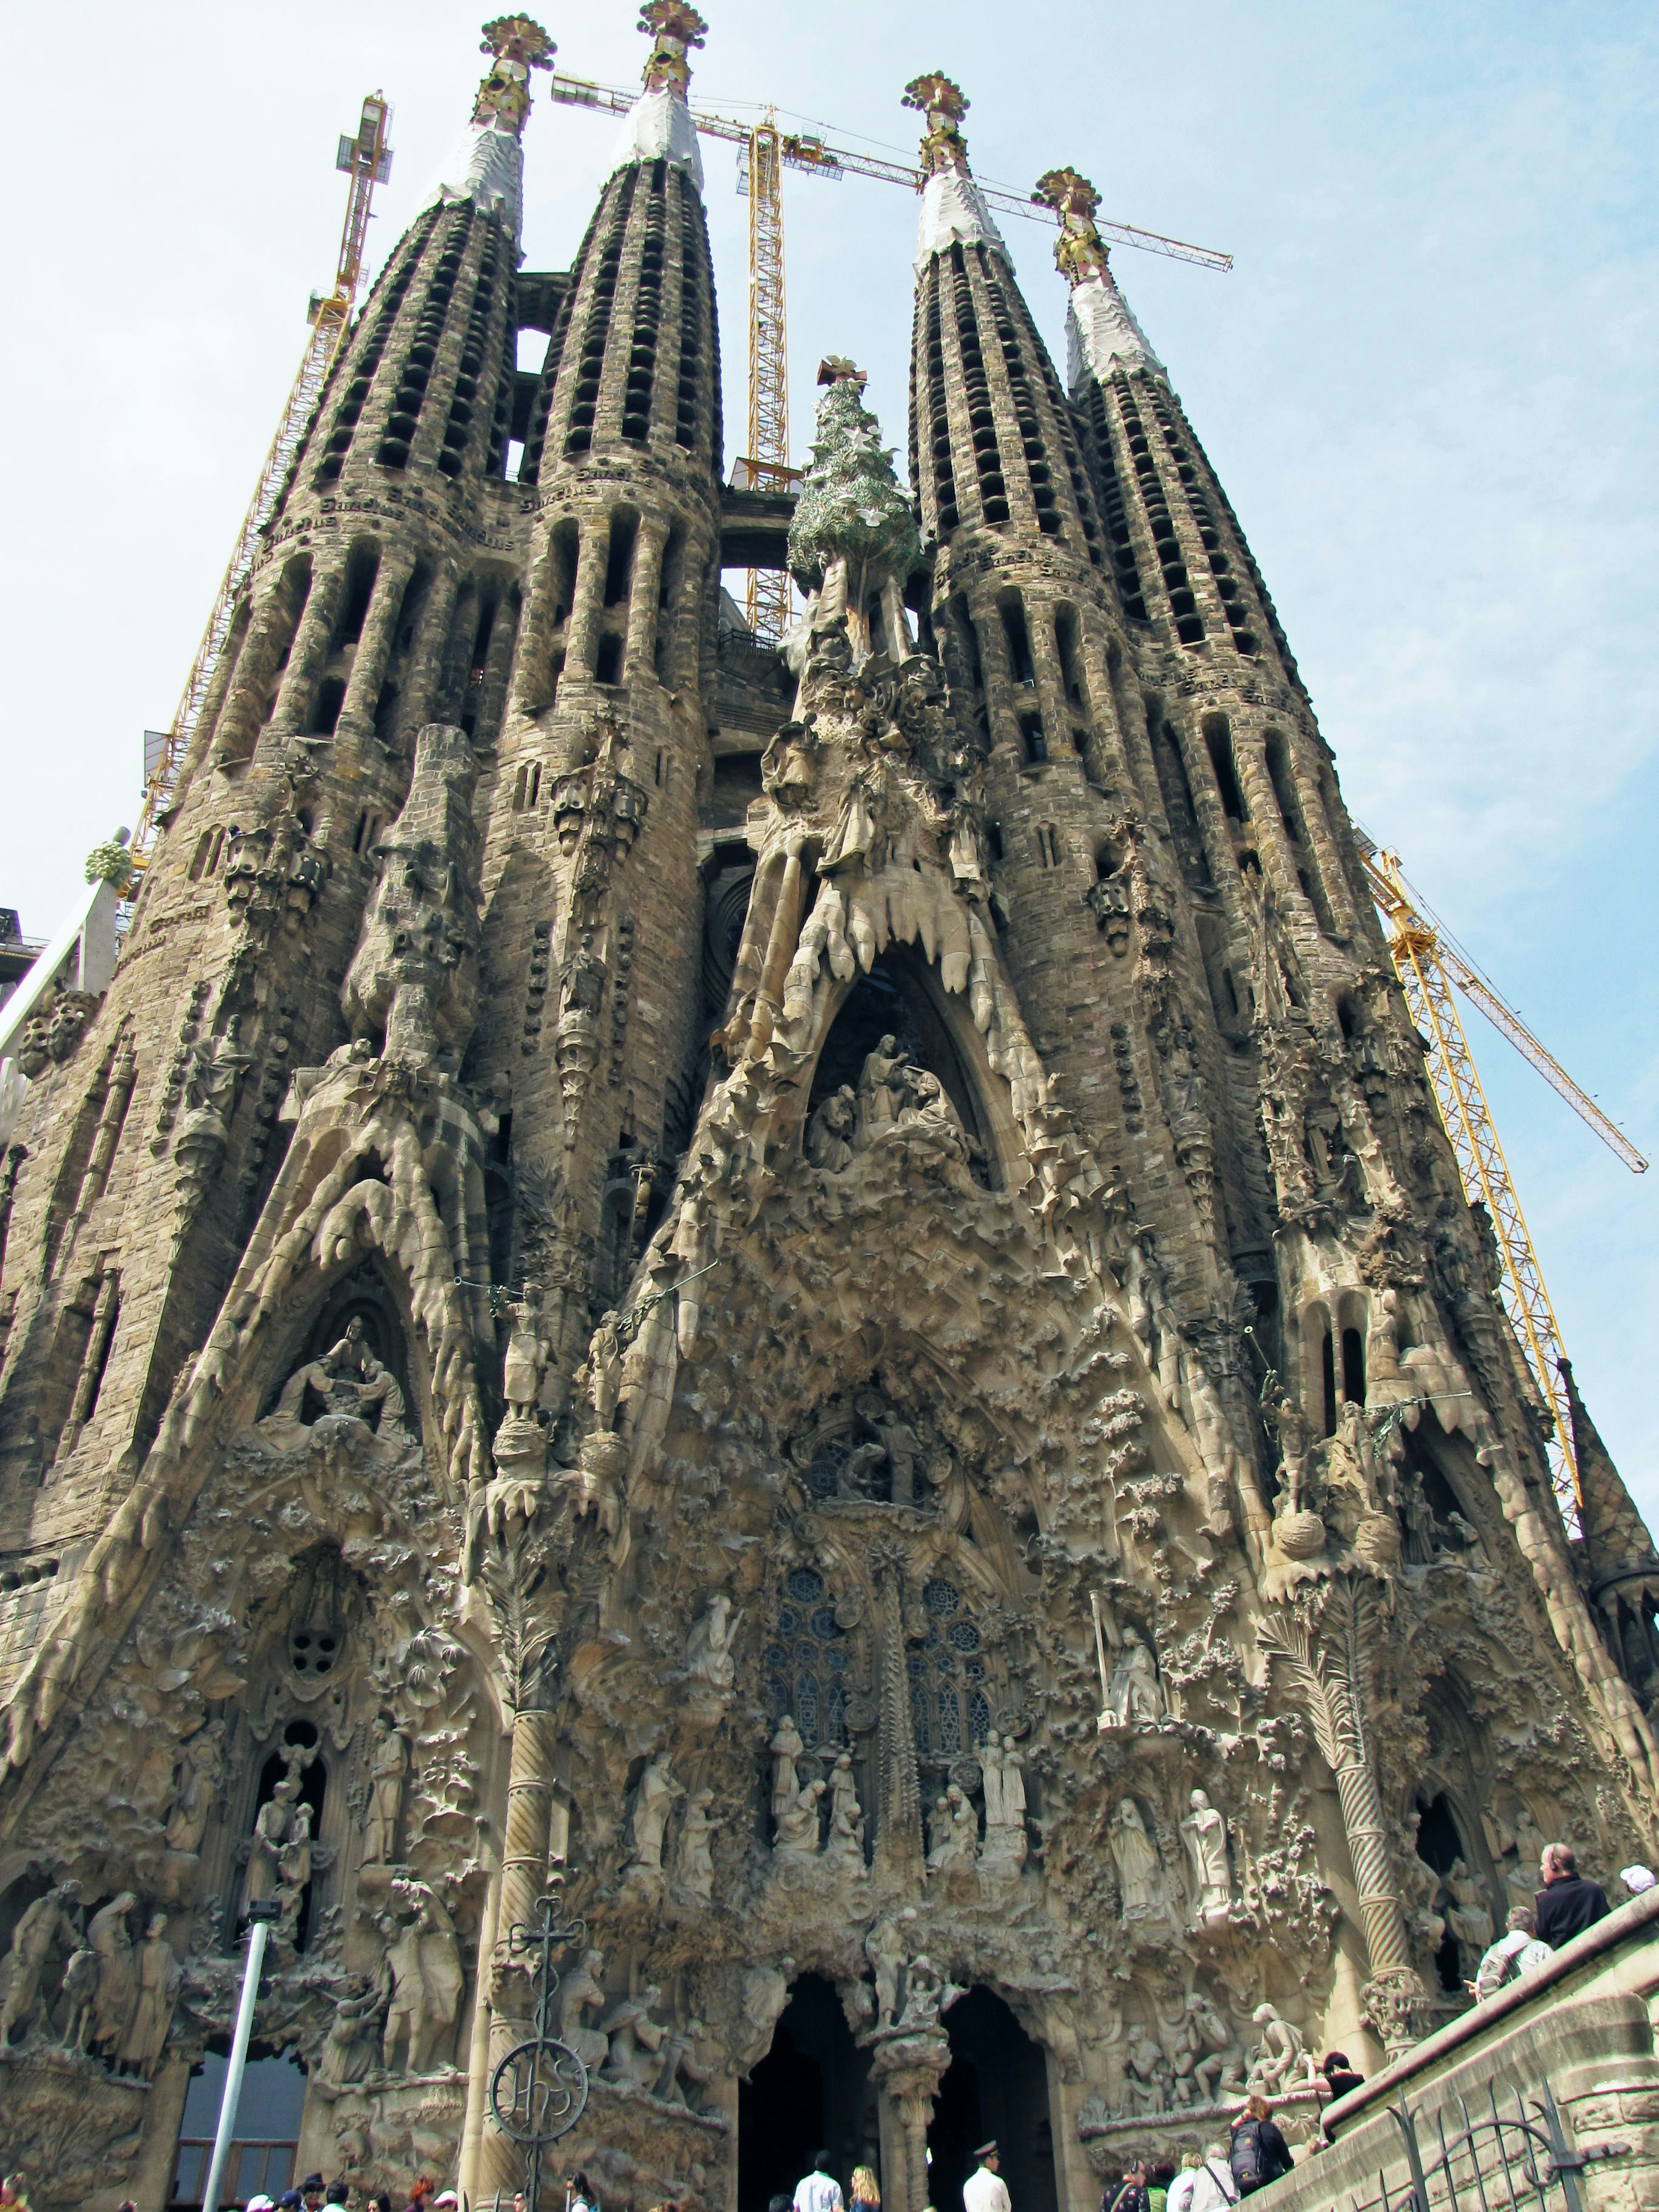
x=806, y=1663
x=950, y=1709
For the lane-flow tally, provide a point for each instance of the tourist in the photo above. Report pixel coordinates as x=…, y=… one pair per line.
x=985, y=2190
x=13, y=2193
x=1157, y=2187
x=867, y=2190
x=580, y=2195
x=1515, y=1953
x=1569, y=1902
x=1638, y=1880
x=264, y=2203
x=420, y=2197
x=779, y=2203
x=311, y=2192
x=1260, y=2153
x=337, y=2195
x=1339, y=2075
x=1204, y=2185
x=1131, y=2194
x=819, y=2191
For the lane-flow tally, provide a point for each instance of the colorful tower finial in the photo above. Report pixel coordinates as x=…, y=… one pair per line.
x=675, y=28
x=944, y=104
x=1079, y=250
x=519, y=45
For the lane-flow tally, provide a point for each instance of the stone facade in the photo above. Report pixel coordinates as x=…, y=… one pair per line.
x=822, y=1288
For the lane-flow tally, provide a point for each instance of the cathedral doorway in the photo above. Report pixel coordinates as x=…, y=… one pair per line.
x=996, y=2085
x=811, y=2091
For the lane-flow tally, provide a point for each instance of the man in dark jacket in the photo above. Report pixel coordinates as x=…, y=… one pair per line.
x=1567, y=1904
x=1260, y=2153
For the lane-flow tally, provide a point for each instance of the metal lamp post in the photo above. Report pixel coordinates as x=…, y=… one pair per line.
x=260, y=1917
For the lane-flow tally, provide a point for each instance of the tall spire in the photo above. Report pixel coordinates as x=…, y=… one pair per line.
x=486, y=163
x=1617, y=1545
x=658, y=127
x=1101, y=333
x=953, y=209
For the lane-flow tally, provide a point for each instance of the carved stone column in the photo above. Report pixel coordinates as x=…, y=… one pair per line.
x=524, y=1877
x=1321, y=1650
x=642, y=599
x=373, y=655
x=898, y=1792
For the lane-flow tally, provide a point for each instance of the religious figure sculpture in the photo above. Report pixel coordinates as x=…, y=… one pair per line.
x=694, y=1864
x=885, y=1949
x=786, y=1747
x=388, y=1769
x=527, y=1354
x=78, y=1996
x=881, y=1089
x=604, y=1361
x=1138, y=1876
x=118, y=1988
x=830, y=1134
x=652, y=1800
x=635, y=2038
x=954, y=1829
x=159, y=1977
x=194, y=1791
x=1218, y=2065
x=1005, y=1843
x=294, y=1872
x=270, y=1826
x=845, y=1842
x=348, y=2054
x=1204, y=1832
x=1469, y=1916
x=1135, y=1697
x=678, y=2067
x=42, y=1924
x=1280, y=2055
x=424, y=1963
x=708, y=1648
x=798, y=1826
x=582, y=1991
x=899, y=1441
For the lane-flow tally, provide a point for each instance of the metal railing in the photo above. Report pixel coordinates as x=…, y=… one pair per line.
x=1497, y=2162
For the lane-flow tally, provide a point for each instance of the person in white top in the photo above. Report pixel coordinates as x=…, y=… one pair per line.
x=1204, y=2184
x=1515, y=1953
x=819, y=2191
x=985, y=2190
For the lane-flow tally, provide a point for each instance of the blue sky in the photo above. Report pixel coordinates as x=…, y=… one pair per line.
x=1428, y=387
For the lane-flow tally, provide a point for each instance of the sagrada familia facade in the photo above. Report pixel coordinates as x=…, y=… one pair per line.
x=799, y=1315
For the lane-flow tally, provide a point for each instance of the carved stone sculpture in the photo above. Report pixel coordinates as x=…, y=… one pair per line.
x=1139, y=1879
x=954, y=1833
x=423, y=1962
x=694, y=1864
x=844, y=1844
x=652, y=1801
x=159, y=1977
x=1281, y=2056
x=1006, y=1842
x=1135, y=1697
x=1204, y=1832
x=582, y=1991
x=786, y=1747
x=388, y=1771
x=117, y=1989
x=887, y=1951
x=708, y=1648
x=195, y=1789
x=48, y=1921
x=797, y=1836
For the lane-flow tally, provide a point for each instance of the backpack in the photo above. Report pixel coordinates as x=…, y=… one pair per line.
x=1245, y=2159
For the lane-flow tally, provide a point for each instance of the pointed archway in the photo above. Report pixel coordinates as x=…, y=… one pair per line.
x=810, y=2091
x=996, y=2085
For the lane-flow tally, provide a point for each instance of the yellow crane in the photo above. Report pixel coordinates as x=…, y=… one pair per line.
x=366, y=160
x=1428, y=962
x=764, y=152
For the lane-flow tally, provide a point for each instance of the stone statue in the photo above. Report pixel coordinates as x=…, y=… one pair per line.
x=1135, y=1697
x=160, y=1977
x=831, y=1132
x=885, y=1949
x=527, y=1354
x=786, y=1747
x=708, y=1648
x=678, y=2067
x=423, y=1960
x=271, y=1827
x=652, y=1800
x=348, y=2053
x=798, y=1827
x=118, y=1986
x=582, y=1991
x=79, y=1994
x=898, y=1440
x=845, y=1843
x=1005, y=1844
x=379, y=1388
x=1204, y=1832
x=604, y=1360
x=635, y=2038
x=954, y=1829
x=1469, y=1916
x=1218, y=2066
x=48, y=1920
x=881, y=1090
x=388, y=1768
x=294, y=1872
x=694, y=1864
x=1280, y=2055
x=198, y=1784
x=1139, y=1878
x=926, y=1995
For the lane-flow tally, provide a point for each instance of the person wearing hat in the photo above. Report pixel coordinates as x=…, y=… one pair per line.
x=985, y=2190
x=448, y=2202
x=290, y=2201
x=311, y=2190
x=262, y=2203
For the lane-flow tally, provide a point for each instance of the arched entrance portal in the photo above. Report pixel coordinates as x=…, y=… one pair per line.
x=810, y=2091
x=997, y=2084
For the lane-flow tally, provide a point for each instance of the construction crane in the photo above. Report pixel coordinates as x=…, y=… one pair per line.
x=764, y=152
x=1428, y=962
x=366, y=160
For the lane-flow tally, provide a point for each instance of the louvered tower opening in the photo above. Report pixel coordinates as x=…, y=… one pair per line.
x=415, y=371
x=380, y=318
x=464, y=406
x=930, y=413
x=1177, y=585
x=1114, y=508
x=1233, y=604
x=697, y=293
x=647, y=315
x=500, y=419
x=596, y=331
x=1026, y=357
x=976, y=390
x=530, y=466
